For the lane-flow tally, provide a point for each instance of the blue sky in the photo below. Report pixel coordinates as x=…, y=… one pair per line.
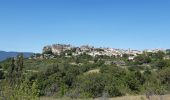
x=28, y=25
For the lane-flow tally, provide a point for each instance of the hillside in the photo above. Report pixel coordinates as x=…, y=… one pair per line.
x=85, y=76
x=4, y=55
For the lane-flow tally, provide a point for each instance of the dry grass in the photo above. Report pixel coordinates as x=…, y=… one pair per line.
x=93, y=71
x=48, y=98
x=165, y=97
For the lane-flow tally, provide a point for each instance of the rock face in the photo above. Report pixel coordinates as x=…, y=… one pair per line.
x=56, y=49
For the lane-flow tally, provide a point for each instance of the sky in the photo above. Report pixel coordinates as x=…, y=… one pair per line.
x=28, y=25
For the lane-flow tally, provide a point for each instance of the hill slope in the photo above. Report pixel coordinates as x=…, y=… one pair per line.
x=4, y=55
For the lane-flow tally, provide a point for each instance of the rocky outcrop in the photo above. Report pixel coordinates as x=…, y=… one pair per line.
x=56, y=49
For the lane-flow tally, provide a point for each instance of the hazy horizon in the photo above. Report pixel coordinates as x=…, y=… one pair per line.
x=28, y=25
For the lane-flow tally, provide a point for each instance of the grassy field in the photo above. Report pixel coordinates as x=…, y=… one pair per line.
x=164, y=97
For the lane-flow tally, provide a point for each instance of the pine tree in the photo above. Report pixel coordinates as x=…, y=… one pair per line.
x=11, y=71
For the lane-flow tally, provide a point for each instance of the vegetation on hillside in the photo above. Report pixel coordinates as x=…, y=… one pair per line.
x=84, y=76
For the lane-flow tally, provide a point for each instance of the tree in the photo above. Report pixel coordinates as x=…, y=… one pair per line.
x=114, y=86
x=24, y=91
x=159, y=55
x=91, y=84
x=133, y=82
x=10, y=76
x=168, y=51
x=16, y=86
x=1, y=75
x=142, y=59
x=162, y=63
x=19, y=63
x=114, y=79
x=164, y=75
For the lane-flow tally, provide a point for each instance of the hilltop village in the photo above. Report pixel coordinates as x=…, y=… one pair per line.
x=51, y=51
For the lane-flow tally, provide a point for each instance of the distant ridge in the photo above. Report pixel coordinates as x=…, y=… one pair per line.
x=4, y=55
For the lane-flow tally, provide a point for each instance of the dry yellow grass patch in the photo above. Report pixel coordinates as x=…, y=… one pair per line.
x=141, y=97
x=93, y=71
x=48, y=98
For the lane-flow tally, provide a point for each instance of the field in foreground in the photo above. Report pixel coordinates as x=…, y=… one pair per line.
x=164, y=97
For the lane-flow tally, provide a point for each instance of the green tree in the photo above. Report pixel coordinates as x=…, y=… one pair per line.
x=10, y=76
x=159, y=55
x=142, y=59
x=164, y=76
x=133, y=82
x=162, y=63
x=1, y=74
x=90, y=84
x=20, y=63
